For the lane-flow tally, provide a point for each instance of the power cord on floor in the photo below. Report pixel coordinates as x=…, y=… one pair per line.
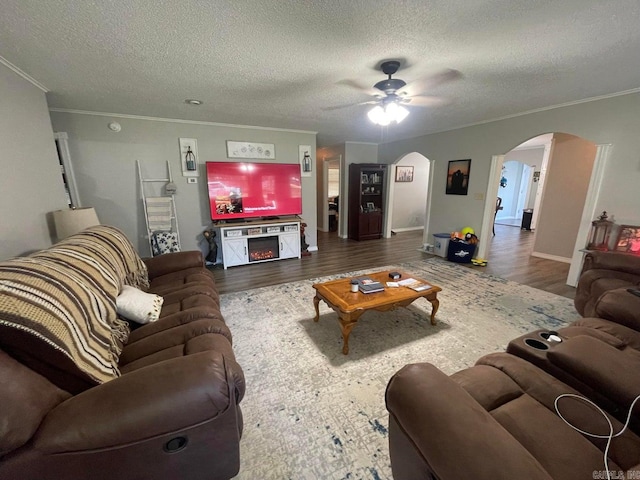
x=608, y=437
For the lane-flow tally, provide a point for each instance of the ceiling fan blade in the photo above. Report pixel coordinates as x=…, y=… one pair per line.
x=338, y=107
x=425, y=101
x=424, y=85
x=368, y=89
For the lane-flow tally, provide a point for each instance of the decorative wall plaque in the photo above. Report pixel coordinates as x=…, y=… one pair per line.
x=251, y=150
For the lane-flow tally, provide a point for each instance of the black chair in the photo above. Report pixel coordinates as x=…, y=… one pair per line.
x=498, y=207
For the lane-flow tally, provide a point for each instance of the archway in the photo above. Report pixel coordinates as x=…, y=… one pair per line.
x=408, y=196
x=564, y=207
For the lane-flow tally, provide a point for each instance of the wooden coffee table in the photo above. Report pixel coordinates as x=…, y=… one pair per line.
x=351, y=305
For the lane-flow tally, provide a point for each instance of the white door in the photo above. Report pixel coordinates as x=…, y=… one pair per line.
x=523, y=194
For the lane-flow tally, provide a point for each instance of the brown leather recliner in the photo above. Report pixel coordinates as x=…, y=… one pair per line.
x=603, y=272
x=173, y=412
x=496, y=420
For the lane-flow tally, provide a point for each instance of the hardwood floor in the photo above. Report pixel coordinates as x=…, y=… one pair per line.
x=509, y=258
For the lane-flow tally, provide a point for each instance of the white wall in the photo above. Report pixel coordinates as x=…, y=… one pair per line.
x=105, y=168
x=565, y=191
x=30, y=177
x=613, y=120
x=512, y=172
x=409, y=199
x=529, y=156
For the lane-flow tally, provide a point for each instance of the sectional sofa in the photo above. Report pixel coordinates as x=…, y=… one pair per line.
x=503, y=417
x=86, y=393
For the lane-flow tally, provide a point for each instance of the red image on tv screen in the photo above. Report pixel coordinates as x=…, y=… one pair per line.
x=246, y=190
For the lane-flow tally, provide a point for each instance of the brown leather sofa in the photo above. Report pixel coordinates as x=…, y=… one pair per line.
x=171, y=412
x=497, y=419
x=604, y=272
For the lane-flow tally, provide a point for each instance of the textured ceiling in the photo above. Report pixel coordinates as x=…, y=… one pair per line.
x=279, y=63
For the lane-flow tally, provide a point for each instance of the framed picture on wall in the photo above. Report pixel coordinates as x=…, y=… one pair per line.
x=628, y=239
x=404, y=174
x=458, y=177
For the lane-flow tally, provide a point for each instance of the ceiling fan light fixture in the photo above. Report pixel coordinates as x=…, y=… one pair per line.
x=396, y=112
x=392, y=112
x=376, y=115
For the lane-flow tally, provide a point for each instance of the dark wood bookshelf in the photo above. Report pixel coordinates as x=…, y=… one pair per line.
x=366, y=200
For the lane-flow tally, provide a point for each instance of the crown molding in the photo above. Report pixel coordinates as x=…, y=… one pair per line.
x=544, y=109
x=176, y=120
x=521, y=114
x=23, y=74
x=362, y=143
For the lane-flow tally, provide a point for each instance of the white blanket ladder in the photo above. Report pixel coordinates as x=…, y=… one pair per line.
x=159, y=207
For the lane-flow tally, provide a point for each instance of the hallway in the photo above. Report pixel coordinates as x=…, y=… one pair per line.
x=510, y=258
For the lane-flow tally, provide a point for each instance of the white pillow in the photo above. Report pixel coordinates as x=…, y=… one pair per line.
x=138, y=306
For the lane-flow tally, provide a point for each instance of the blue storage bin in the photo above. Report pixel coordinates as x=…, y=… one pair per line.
x=460, y=252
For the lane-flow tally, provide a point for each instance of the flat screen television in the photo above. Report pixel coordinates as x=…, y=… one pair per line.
x=248, y=190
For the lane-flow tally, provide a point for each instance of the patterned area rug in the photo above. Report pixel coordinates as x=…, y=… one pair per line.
x=311, y=412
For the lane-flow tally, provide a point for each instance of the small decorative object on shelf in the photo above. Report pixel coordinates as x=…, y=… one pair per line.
x=190, y=159
x=600, y=233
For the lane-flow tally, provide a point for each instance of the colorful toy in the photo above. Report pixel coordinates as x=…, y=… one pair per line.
x=467, y=230
x=479, y=262
x=467, y=234
x=471, y=238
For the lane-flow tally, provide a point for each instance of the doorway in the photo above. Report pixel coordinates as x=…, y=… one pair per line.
x=564, y=202
x=330, y=197
x=518, y=185
x=408, y=199
x=68, y=177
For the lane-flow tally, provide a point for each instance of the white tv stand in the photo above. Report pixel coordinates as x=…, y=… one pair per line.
x=259, y=241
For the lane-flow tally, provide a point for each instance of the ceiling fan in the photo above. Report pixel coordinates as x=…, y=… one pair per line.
x=392, y=94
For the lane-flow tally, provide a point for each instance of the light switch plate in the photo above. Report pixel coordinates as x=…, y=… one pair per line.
x=192, y=180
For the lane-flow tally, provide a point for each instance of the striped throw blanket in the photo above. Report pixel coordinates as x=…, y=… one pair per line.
x=65, y=297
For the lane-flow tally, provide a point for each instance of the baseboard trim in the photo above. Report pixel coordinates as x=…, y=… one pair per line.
x=555, y=258
x=313, y=249
x=407, y=229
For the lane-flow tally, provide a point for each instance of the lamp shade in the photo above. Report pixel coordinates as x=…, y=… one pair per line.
x=390, y=112
x=72, y=221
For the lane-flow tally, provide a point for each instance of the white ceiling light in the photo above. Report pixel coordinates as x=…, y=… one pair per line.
x=391, y=112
